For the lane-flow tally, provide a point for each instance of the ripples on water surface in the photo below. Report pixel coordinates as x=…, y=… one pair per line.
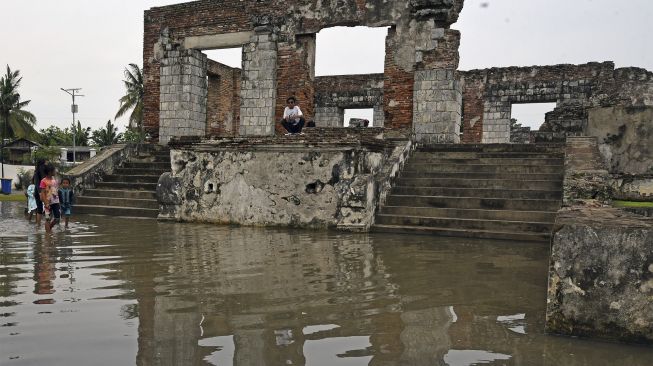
x=114, y=291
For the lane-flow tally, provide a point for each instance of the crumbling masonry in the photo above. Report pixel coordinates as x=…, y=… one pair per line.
x=421, y=90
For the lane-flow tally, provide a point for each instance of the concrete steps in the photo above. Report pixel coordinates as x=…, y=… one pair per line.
x=131, y=190
x=496, y=191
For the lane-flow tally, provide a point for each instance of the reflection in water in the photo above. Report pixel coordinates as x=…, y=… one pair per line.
x=115, y=291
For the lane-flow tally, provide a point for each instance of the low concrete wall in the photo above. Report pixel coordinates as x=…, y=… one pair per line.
x=273, y=184
x=85, y=175
x=601, y=275
x=11, y=171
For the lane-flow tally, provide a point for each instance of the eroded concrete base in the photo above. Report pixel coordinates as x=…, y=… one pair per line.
x=601, y=276
x=286, y=181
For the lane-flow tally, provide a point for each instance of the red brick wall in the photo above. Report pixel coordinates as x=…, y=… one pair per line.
x=188, y=19
x=223, y=101
x=473, y=111
x=295, y=76
x=397, y=88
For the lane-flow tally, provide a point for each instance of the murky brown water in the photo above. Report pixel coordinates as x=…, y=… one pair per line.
x=120, y=292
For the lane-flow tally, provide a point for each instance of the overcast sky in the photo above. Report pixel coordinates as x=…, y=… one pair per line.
x=87, y=44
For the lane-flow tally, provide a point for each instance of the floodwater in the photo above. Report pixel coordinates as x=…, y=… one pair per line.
x=114, y=291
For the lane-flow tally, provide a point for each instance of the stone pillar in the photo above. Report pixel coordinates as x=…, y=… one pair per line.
x=64, y=155
x=496, y=122
x=329, y=116
x=378, y=116
x=92, y=152
x=437, y=101
x=258, y=91
x=183, y=94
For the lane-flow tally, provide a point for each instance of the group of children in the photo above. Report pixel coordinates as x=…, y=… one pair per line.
x=45, y=197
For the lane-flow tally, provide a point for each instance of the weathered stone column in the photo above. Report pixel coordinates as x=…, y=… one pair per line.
x=437, y=101
x=183, y=94
x=496, y=122
x=259, y=84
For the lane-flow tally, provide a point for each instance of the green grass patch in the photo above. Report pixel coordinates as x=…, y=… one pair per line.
x=632, y=204
x=13, y=197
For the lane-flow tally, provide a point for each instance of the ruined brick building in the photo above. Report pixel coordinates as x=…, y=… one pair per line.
x=420, y=91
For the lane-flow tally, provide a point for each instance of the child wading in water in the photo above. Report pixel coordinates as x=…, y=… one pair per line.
x=66, y=199
x=31, y=200
x=50, y=197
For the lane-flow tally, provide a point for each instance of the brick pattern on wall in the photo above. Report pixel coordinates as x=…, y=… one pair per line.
x=294, y=22
x=259, y=87
x=574, y=88
x=183, y=93
x=334, y=94
x=223, y=102
x=397, y=88
x=295, y=76
x=437, y=107
x=329, y=116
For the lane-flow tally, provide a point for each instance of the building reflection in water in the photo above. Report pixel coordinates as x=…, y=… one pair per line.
x=257, y=296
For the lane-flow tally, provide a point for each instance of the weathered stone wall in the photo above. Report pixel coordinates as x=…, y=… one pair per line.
x=601, y=276
x=625, y=136
x=279, y=43
x=574, y=88
x=333, y=94
x=282, y=183
x=223, y=100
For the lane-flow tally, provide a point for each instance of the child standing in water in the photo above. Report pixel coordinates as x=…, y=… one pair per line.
x=50, y=197
x=66, y=198
x=31, y=200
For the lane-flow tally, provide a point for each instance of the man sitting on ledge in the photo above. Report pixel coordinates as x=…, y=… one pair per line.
x=293, y=118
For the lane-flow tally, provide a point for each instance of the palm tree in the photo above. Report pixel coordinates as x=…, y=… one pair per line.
x=134, y=97
x=16, y=122
x=106, y=136
x=11, y=108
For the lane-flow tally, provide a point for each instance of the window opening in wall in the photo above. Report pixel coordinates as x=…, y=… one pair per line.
x=232, y=57
x=531, y=114
x=223, y=91
x=359, y=113
x=350, y=51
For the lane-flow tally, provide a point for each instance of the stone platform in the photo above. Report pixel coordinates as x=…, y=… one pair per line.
x=601, y=275
x=323, y=178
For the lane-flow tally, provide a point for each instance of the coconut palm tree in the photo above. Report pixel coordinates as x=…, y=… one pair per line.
x=133, y=100
x=106, y=136
x=14, y=120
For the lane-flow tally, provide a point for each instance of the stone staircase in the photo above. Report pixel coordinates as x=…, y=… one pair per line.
x=131, y=189
x=496, y=191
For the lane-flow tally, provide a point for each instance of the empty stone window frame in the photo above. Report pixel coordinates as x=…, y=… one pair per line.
x=358, y=113
x=531, y=114
x=223, y=91
x=350, y=50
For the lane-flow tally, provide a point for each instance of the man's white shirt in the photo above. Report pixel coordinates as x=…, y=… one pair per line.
x=294, y=111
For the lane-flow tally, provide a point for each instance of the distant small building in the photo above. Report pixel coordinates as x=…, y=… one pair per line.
x=20, y=151
x=81, y=154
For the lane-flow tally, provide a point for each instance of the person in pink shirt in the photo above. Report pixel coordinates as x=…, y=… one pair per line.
x=49, y=190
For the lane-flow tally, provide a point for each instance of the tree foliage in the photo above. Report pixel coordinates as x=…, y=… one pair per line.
x=106, y=136
x=133, y=100
x=14, y=120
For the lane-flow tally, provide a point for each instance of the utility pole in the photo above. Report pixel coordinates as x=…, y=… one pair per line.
x=73, y=108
